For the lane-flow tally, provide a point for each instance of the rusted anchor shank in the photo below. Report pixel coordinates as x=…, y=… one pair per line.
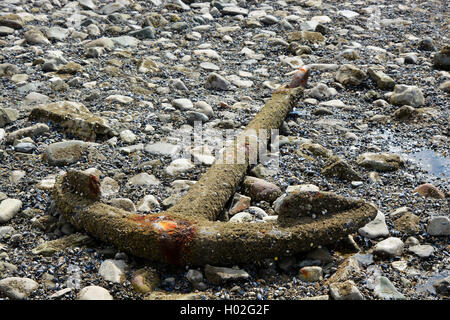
x=187, y=233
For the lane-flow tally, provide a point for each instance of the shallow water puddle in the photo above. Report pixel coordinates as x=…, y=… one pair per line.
x=431, y=161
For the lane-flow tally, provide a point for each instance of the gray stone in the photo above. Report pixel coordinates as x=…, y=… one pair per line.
x=439, y=226
x=337, y=167
x=380, y=161
x=382, y=80
x=423, y=251
x=389, y=247
x=241, y=217
x=350, y=75
x=144, y=33
x=4, y=118
x=376, y=228
x=113, y=270
x=178, y=166
x=320, y=91
x=385, y=290
x=441, y=60
x=195, y=277
x=216, y=81
x=64, y=153
x=407, y=95
x=221, y=275
x=162, y=148
x=147, y=204
x=182, y=104
x=124, y=204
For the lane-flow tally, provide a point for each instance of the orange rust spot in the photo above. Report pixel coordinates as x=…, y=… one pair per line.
x=167, y=225
x=173, y=235
x=304, y=273
x=94, y=186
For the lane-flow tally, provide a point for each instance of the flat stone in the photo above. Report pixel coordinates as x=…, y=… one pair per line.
x=305, y=36
x=439, y=226
x=376, y=228
x=350, y=75
x=125, y=41
x=221, y=275
x=143, y=179
x=64, y=153
x=389, y=247
x=178, y=166
x=385, y=290
x=380, y=161
x=182, y=104
x=234, y=11
x=241, y=217
x=162, y=148
x=74, y=117
x=423, y=251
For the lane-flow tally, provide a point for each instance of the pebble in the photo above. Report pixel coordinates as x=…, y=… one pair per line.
x=9, y=208
x=407, y=95
x=143, y=179
x=113, y=270
x=17, y=288
x=439, y=226
x=428, y=190
x=422, y=250
x=64, y=153
x=147, y=204
x=178, y=167
x=310, y=274
x=259, y=189
x=345, y=291
x=380, y=161
x=350, y=75
x=385, y=290
x=216, y=81
x=94, y=293
x=221, y=275
x=391, y=246
x=376, y=228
